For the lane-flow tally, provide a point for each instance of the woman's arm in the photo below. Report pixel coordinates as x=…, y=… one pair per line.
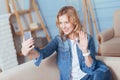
x=83, y=45
x=88, y=60
x=28, y=49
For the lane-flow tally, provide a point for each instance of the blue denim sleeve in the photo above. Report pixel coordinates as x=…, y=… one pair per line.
x=91, y=47
x=38, y=60
x=46, y=51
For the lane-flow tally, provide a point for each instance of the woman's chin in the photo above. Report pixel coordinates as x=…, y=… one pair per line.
x=66, y=33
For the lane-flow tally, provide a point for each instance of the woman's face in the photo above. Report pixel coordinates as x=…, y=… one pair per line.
x=65, y=25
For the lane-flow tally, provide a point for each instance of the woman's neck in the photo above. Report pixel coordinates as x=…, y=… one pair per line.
x=72, y=36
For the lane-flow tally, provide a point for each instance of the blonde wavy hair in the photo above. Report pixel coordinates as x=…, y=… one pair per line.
x=72, y=17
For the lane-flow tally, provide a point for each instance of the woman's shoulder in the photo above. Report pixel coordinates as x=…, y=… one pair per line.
x=58, y=38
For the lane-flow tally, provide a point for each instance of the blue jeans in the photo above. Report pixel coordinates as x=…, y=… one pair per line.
x=99, y=75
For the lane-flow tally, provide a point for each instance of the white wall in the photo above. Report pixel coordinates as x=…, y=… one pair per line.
x=3, y=8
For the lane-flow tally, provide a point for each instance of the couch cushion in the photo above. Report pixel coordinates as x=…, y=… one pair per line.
x=111, y=46
x=28, y=71
x=117, y=23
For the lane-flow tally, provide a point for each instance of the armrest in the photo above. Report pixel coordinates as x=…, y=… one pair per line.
x=28, y=71
x=113, y=63
x=106, y=35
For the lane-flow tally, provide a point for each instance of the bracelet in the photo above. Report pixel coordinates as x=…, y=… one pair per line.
x=86, y=54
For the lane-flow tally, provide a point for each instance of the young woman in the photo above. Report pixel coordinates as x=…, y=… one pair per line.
x=75, y=50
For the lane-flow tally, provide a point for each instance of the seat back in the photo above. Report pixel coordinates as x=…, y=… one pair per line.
x=117, y=23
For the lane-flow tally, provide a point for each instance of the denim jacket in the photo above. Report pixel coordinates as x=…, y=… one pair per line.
x=64, y=57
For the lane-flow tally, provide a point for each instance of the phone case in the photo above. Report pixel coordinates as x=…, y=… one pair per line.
x=27, y=35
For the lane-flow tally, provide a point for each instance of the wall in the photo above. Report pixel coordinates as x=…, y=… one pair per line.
x=49, y=9
x=104, y=10
x=3, y=7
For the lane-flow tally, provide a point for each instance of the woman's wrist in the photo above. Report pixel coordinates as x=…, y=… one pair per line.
x=84, y=50
x=86, y=53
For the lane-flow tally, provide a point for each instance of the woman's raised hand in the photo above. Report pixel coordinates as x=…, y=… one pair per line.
x=27, y=46
x=83, y=41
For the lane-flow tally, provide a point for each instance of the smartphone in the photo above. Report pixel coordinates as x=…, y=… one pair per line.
x=27, y=35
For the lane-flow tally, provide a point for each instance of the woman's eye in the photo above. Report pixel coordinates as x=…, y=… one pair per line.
x=66, y=22
x=60, y=23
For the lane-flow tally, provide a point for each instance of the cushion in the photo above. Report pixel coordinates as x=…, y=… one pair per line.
x=117, y=23
x=111, y=46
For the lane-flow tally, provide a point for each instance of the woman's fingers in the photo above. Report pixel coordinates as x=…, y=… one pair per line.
x=85, y=36
x=29, y=42
x=29, y=49
x=83, y=41
x=81, y=35
x=27, y=46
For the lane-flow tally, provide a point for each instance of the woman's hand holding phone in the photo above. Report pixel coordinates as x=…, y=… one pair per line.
x=27, y=44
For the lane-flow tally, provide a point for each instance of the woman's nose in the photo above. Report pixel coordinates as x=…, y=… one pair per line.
x=63, y=25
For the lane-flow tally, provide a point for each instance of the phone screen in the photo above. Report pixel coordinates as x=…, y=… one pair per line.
x=27, y=35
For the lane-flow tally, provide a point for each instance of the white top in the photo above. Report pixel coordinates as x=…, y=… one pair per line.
x=76, y=73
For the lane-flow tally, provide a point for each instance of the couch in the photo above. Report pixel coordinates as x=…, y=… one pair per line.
x=48, y=70
x=109, y=40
